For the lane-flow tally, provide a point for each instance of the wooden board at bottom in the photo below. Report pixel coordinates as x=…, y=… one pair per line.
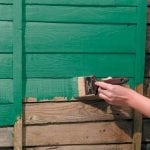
x=79, y=133
x=86, y=147
x=6, y=137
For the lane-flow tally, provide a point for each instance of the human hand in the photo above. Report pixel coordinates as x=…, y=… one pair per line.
x=114, y=94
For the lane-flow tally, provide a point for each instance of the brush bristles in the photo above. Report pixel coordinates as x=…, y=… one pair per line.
x=81, y=86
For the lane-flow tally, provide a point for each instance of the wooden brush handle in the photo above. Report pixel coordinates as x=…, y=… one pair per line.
x=116, y=81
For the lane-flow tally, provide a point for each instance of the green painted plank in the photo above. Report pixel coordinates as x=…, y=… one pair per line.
x=80, y=38
x=17, y=56
x=77, y=14
x=84, y=2
x=51, y=88
x=6, y=1
x=6, y=12
x=8, y=115
x=140, y=40
x=5, y=65
x=6, y=91
x=70, y=65
x=6, y=33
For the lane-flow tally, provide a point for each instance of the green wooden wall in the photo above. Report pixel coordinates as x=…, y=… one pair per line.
x=46, y=44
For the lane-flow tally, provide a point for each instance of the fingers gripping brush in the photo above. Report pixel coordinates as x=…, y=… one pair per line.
x=87, y=87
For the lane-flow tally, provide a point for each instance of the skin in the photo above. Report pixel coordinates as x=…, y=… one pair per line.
x=122, y=96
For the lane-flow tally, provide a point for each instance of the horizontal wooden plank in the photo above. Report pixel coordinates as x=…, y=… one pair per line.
x=83, y=2
x=72, y=14
x=6, y=30
x=71, y=65
x=78, y=2
x=86, y=147
x=6, y=137
x=6, y=1
x=5, y=65
x=39, y=113
x=85, y=133
x=6, y=91
x=44, y=89
x=146, y=130
x=6, y=12
x=8, y=114
x=75, y=38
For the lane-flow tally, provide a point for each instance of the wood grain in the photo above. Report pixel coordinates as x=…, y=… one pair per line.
x=76, y=38
x=137, y=128
x=85, y=147
x=72, y=14
x=72, y=65
x=6, y=11
x=6, y=137
x=6, y=1
x=79, y=2
x=6, y=29
x=7, y=114
x=6, y=91
x=87, y=2
x=6, y=66
x=85, y=133
x=52, y=112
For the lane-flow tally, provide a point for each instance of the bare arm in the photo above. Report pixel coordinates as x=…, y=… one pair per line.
x=118, y=95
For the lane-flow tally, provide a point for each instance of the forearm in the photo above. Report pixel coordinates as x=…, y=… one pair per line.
x=140, y=103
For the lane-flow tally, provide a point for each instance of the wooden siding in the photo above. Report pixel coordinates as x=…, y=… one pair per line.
x=74, y=115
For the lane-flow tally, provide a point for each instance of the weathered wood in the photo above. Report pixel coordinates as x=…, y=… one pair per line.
x=6, y=137
x=85, y=147
x=18, y=135
x=83, y=133
x=85, y=38
x=137, y=128
x=39, y=113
